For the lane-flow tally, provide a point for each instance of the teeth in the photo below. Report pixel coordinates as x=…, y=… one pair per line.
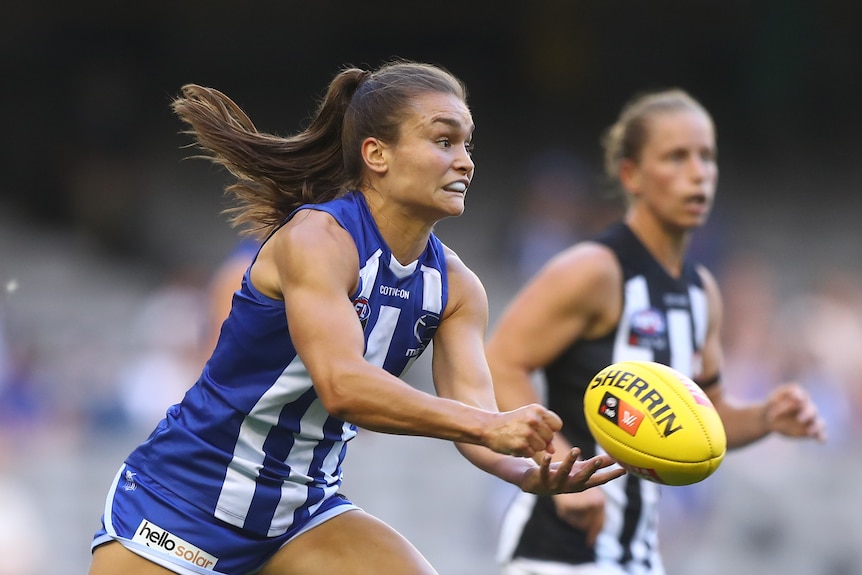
x=457, y=187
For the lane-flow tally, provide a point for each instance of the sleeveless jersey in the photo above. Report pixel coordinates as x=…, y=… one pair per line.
x=251, y=442
x=664, y=319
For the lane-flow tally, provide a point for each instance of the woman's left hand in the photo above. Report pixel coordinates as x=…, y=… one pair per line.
x=791, y=412
x=570, y=475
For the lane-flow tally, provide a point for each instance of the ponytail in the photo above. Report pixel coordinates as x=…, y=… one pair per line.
x=275, y=175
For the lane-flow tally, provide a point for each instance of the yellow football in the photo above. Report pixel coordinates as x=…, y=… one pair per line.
x=656, y=422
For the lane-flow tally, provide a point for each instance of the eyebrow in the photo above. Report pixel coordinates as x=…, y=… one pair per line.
x=450, y=121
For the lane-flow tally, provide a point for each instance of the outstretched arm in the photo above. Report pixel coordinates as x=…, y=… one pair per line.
x=312, y=264
x=537, y=325
x=461, y=372
x=788, y=410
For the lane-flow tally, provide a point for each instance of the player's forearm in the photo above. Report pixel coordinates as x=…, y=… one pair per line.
x=513, y=386
x=381, y=402
x=508, y=468
x=743, y=425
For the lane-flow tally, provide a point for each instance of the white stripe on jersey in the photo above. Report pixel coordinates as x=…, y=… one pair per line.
x=432, y=293
x=512, y=527
x=381, y=336
x=700, y=307
x=609, y=550
x=237, y=491
x=680, y=340
x=636, y=298
x=368, y=274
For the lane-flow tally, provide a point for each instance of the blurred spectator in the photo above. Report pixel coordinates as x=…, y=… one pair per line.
x=168, y=337
x=751, y=304
x=175, y=332
x=24, y=405
x=821, y=334
x=225, y=281
x=22, y=538
x=559, y=207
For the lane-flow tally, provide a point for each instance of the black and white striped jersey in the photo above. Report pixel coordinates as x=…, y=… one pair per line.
x=664, y=319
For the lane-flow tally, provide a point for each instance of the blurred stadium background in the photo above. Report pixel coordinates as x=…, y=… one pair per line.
x=108, y=239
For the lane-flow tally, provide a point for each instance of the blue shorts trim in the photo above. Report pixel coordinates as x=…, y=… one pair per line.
x=158, y=525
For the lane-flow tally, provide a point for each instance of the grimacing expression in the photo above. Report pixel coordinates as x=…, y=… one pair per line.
x=431, y=166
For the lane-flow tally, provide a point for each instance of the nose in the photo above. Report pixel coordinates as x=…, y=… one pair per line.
x=464, y=162
x=700, y=168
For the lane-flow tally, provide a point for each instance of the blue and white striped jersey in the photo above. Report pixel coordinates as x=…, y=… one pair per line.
x=251, y=442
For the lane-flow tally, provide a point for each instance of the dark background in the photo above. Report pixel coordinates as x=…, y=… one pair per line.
x=86, y=91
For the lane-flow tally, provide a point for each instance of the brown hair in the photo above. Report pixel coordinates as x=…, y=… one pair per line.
x=275, y=175
x=626, y=138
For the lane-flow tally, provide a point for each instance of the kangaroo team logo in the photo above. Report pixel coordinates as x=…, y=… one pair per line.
x=425, y=327
x=423, y=330
x=130, y=484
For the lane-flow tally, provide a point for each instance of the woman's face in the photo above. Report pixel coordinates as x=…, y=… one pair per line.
x=676, y=175
x=430, y=167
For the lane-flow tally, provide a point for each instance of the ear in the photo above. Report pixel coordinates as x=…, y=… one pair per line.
x=630, y=176
x=374, y=154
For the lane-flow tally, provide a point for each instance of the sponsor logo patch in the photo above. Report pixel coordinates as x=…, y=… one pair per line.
x=648, y=329
x=642, y=472
x=155, y=537
x=621, y=413
x=363, y=310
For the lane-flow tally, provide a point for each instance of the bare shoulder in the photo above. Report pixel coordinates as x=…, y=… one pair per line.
x=710, y=285
x=707, y=277
x=310, y=228
x=465, y=286
x=581, y=287
x=713, y=294
x=591, y=265
x=310, y=244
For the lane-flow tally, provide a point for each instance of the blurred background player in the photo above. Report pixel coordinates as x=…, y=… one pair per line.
x=630, y=294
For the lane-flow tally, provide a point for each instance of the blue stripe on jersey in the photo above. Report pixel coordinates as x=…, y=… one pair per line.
x=251, y=442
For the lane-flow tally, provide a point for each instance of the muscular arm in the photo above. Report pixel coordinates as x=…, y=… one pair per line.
x=312, y=263
x=788, y=410
x=575, y=295
x=461, y=372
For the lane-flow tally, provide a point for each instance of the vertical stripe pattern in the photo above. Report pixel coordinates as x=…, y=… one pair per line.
x=251, y=442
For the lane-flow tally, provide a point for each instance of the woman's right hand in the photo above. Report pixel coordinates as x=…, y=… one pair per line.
x=523, y=432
